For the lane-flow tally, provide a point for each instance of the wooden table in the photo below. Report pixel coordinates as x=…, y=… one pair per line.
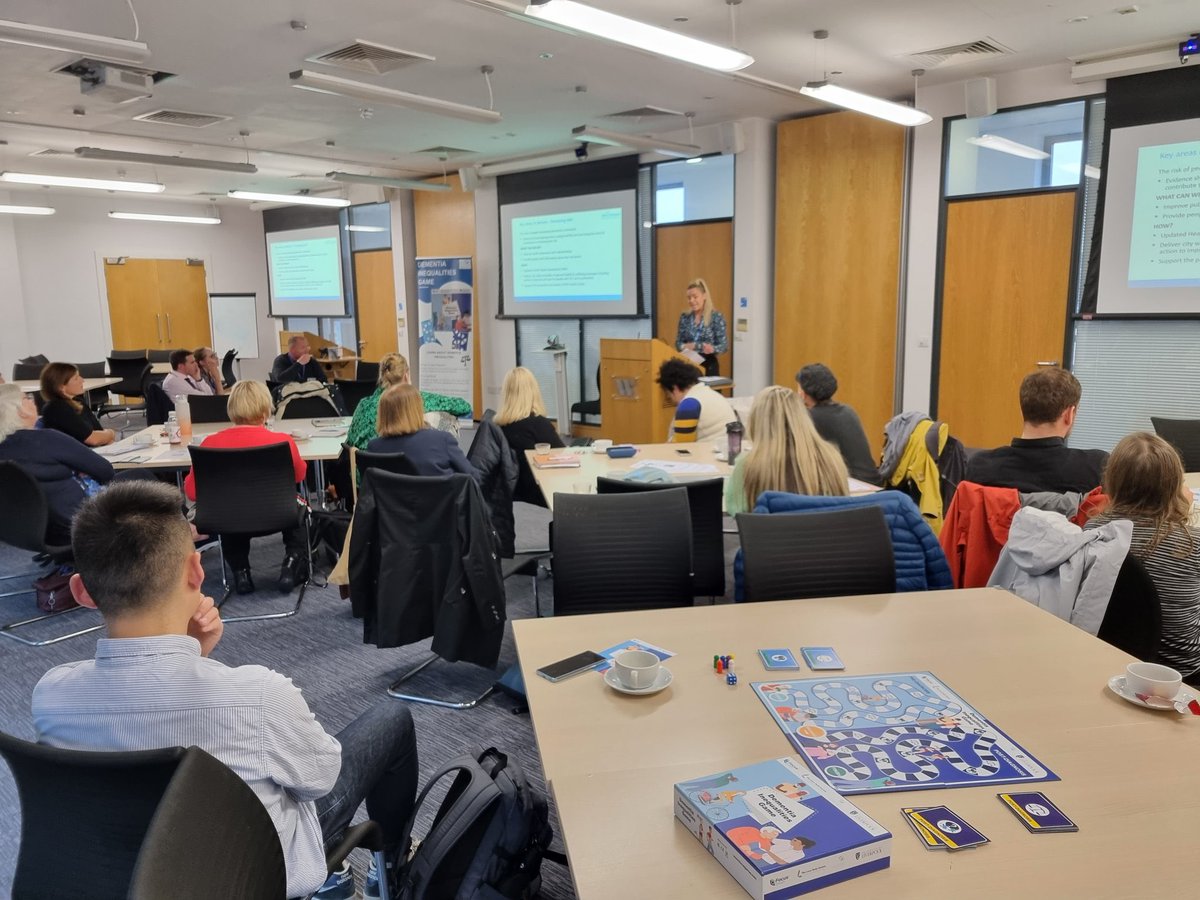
x=89, y=384
x=1129, y=777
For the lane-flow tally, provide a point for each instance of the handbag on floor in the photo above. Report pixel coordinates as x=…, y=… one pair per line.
x=54, y=592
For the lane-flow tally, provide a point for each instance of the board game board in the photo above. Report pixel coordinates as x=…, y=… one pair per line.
x=897, y=732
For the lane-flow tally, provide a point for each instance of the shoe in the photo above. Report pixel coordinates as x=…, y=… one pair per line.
x=287, y=573
x=370, y=889
x=339, y=885
x=243, y=583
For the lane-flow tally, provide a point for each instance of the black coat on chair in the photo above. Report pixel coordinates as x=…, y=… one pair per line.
x=498, y=474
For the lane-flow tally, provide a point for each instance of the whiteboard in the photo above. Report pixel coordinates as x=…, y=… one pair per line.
x=234, y=324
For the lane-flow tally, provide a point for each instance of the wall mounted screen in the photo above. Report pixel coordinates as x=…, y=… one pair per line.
x=304, y=267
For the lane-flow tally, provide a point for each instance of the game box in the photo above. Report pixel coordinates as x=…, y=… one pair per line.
x=779, y=830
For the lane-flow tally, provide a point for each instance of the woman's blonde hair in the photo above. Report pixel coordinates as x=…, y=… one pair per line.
x=249, y=403
x=54, y=379
x=706, y=310
x=520, y=397
x=393, y=369
x=401, y=411
x=788, y=454
x=11, y=398
x=1143, y=481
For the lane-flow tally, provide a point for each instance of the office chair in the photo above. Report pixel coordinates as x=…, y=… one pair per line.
x=227, y=369
x=133, y=373
x=367, y=371
x=353, y=392
x=205, y=408
x=586, y=408
x=1184, y=436
x=1133, y=620
x=310, y=408
x=27, y=371
x=819, y=554
x=157, y=404
x=128, y=354
x=396, y=463
x=159, y=356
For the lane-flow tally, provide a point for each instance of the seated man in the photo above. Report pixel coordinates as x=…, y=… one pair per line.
x=184, y=377
x=1040, y=460
x=297, y=364
x=837, y=423
x=152, y=685
x=701, y=414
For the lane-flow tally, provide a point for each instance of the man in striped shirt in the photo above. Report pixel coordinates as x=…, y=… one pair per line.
x=152, y=685
x=701, y=414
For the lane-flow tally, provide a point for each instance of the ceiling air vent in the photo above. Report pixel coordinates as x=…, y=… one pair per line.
x=445, y=152
x=958, y=54
x=181, y=119
x=642, y=112
x=364, y=56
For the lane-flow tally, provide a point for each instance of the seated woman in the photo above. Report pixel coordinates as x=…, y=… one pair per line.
x=61, y=385
x=402, y=429
x=249, y=410
x=787, y=454
x=66, y=470
x=393, y=370
x=522, y=418
x=1143, y=481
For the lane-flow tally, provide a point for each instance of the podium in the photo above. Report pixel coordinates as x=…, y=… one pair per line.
x=338, y=362
x=633, y=409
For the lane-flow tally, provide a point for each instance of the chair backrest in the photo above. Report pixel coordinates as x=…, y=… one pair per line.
x=205, y=408
x=158, y=404
x=397, y=463
x=309, y=408
x=127, y=354
x=818, y=554
x=36, y=359
x=227, y=368
x=244, y=490
x=27, y=371
x=1133, y=620
x=367, y=371
x=1184, y=435
x=132, y=372
x=353, y=392
x=159, y=356
x=24, y=512
x=92, y=369
x=705, y=501
x=617, y=552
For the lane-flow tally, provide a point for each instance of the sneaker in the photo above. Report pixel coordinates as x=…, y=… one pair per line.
x=371, y=884
x=339, y=885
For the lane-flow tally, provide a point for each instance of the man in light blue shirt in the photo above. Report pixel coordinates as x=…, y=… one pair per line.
x=152, y=685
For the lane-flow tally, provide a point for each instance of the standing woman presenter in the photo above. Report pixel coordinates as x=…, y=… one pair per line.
x=702, y=328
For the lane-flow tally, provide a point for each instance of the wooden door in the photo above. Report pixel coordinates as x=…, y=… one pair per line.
x=683, y=253
x=375, y=293
x=1005, y=289
x=134, y=311
x=183, y=293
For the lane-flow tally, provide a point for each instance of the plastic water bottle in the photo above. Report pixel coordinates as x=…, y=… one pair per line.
x=183, y=414
x=173, y=435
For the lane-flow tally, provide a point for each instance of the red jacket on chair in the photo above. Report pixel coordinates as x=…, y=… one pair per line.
x=976, y=530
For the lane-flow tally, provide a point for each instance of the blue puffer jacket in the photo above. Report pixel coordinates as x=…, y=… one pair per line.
x=920, y=562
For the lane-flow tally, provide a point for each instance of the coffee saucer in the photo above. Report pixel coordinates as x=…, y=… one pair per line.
x=663, y=680
x=1117, y=685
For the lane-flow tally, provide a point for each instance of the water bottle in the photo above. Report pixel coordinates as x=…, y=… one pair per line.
x=173, y=435
x=183, y=414
x=733, y=433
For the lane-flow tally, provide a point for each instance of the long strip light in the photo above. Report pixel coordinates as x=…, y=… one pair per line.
x=359, y=90
x=155, y=159
x=865, y=103
x=369, y=229
x=1004, y=145
x=93, y=45
x=632, y=33
x=27, y=210
x=411, y=184
x=97, y=184
x=296, y=199
x=591, y=135
x=156, y=217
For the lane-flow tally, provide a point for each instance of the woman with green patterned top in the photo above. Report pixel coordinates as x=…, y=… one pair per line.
x=393, y=369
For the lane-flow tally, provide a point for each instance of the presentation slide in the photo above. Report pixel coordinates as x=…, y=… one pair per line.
x=571, y=256
x=304, y=268
x=1150, y=258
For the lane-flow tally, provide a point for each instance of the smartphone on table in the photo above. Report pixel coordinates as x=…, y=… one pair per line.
x=572, y=665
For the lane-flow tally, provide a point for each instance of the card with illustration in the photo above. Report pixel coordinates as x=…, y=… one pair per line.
x=778, y=658
x=631, y=644
x=950, y=828
x=1037, y=813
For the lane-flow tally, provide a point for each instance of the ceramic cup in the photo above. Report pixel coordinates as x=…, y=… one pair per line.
x=1153, y=680
x=145, y=440
x=601, y=445
x=636, y=669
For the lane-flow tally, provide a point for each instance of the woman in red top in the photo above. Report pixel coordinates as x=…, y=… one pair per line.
x=249, y=409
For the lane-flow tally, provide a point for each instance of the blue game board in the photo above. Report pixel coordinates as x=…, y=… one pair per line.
x=898, y=732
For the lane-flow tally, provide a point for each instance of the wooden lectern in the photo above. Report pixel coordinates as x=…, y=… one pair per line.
x=633, y=408
x=338, y=362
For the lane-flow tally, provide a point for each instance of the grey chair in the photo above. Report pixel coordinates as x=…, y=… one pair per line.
x=159, y=356
x=27, y=371
x=1184, y=436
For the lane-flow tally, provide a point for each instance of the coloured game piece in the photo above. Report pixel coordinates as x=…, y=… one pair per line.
x=778, y=658
x=952, y=829
x=1037, y=813
x=716, y=659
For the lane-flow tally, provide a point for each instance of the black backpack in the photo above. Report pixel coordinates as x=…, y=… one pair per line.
x=488, y=838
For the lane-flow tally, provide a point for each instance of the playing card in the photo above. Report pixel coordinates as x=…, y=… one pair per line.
x=952, y=829
x=1036, y=812
x=928, y=838
x=778, y=658
x=818, y=658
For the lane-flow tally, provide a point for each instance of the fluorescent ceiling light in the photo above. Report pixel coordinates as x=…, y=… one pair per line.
x=372, y=229
x=1004, y=145
x=345, y=87
x=94, y=45
x=411, y=184
x=865, y=103
x=296, y=199
x=154, y=159
x=154, y=217
x=633, y=33
x=99, y=184
x=635, y=141
x=27, y=210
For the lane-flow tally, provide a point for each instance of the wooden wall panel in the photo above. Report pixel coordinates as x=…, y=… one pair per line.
x=838, y=210
x=682, y=253
x=375, y=293
x=1006, y=281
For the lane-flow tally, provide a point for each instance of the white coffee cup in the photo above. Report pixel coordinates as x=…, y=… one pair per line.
x=147, y=439
x=636, y=669
x=601, y=445
x=1153, y=680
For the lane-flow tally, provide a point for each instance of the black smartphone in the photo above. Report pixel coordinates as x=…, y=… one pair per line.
x=683, y=452
x=572, y=665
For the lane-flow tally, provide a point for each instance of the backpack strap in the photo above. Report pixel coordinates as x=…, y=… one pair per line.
x=931, y=439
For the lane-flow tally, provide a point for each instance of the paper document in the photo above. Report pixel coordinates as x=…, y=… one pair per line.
x=692, y=356
x=675, y=467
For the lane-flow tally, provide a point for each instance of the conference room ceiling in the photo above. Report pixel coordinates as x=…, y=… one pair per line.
x=231, y=58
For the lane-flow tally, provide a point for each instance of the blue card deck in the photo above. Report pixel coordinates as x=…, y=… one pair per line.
x=821, y=658
x=778, y=658
x=1036, y=812
x=951, y=829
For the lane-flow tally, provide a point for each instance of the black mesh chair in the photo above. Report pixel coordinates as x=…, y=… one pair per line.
x=159, y=356
x=367, y=371
x=24, y=520
x=820, y=554
x=397, y=463
x=128, y=354
x=133, y=374
x=27, y=371
x=207, y=409
x=353, y=392
x=1133, y=620
x=586, y=408
x=227, y=369
x=249, y=491
x=92, y=369
x=706, y=503
x=1184, y=436
x=615, y=552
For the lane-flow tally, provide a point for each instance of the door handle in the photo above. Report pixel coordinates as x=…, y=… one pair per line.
x=1041, y=362
x=158, y=325
x=169, y=326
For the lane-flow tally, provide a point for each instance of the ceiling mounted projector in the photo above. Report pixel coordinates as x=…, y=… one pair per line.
x=116, y=85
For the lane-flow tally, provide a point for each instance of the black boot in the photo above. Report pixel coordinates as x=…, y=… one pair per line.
x=287, y=573
x=243, y=583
